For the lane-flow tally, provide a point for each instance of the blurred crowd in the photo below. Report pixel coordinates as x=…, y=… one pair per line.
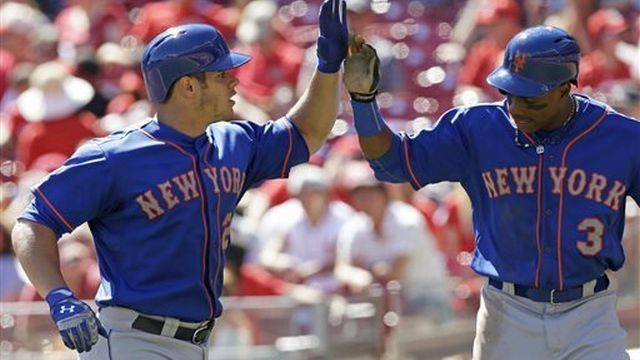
x=69, y=71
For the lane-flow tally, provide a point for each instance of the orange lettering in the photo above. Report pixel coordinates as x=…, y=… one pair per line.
x=150, y=205
x=187, y=184
x=488, y=183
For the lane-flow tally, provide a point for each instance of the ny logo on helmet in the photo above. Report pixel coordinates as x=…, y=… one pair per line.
x=519, y=61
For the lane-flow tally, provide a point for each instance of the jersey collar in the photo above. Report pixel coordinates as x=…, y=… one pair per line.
x=165, y=132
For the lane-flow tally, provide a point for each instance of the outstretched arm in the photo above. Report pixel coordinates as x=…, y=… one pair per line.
x=315, y=112
x=361, y=78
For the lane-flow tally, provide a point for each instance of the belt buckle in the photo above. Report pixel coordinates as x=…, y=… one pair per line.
x=553, y=291
x=201, y=334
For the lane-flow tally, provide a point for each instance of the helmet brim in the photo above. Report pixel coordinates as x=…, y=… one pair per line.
x=514, y=84
x=231, y=60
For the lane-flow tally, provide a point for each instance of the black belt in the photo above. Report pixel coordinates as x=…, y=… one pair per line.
x=196, y=336
x=553, y=296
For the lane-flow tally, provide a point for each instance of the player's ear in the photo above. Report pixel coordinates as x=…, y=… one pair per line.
x=187, y=86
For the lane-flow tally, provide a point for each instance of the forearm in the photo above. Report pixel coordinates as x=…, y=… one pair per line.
x=36, y=247
x=276, y=262
x=353, y=276
x=313, y=267
x=398, y=268
x=315, y=112
x=373, y=132
x=375, y=146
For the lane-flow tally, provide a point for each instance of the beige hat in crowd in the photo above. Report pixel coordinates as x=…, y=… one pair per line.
x=255, y=21
x=307, y=176
x=53, y=93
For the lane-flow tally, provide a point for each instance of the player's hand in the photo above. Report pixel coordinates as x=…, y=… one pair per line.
x=76, y=322
x=333, y=38
x=361, y=70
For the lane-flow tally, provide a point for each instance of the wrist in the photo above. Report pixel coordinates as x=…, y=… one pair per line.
x=58, y=294
x=329, y=67
x=363, y=97
x=367, y=118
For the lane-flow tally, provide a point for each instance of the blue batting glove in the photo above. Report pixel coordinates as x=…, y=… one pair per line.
x=334, y=36
x=77, y=323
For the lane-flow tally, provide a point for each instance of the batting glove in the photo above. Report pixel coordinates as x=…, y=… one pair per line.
x=361, y=70
x=76, y=322
x=334, y=36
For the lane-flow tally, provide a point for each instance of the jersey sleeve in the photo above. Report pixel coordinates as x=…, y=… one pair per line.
x=75, y=193
x=634, y=189
x=277, y=147
x=439, y=154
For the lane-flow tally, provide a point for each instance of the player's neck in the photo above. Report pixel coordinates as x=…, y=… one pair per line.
x=182, y=121
x=565, y=115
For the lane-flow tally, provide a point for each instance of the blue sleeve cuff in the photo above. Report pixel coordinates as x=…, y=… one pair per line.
x=329, y=68
x=367, y=118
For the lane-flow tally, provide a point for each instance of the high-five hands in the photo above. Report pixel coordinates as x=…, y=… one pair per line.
x=361, y=70
x=333, y=38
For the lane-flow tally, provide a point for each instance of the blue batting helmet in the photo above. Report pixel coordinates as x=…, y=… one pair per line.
x=184, y=50
x=537, y=60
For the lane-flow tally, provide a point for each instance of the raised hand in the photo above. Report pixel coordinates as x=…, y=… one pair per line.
x=76, y=322
x=333, y=38
x=361, y=70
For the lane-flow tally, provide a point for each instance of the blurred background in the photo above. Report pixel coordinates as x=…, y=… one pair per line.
x=360, y=269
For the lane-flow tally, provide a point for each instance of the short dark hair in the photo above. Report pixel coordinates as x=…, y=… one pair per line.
x=200, y=76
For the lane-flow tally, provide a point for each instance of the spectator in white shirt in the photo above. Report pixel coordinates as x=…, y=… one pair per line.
x=298, y=237
x=388, y=240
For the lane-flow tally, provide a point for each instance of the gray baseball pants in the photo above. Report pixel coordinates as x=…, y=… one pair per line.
x=513, y=327
x=125, y=343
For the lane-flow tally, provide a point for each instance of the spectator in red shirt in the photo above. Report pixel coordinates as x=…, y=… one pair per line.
x=602, y=64
x=92, y=22
x=51, y=107
x=501, y=20
x=270, y=78
x=155, y=17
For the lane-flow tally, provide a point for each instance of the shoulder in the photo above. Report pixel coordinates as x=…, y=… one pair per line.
x=113, y=143
x=340, y=208
x=483, y=113
x=477, y=111
x=357, y=224
x=243, y=128
x=612, y=118
x=290, y=210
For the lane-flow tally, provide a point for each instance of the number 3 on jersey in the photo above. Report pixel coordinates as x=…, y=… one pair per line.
x=595, y=230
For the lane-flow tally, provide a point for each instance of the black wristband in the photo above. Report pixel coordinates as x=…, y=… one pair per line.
x=364, y=98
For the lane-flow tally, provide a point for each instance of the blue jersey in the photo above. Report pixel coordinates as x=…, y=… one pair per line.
x=159, y=204
x=548, y=209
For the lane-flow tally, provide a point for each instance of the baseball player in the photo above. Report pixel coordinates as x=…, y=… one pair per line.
x=159, y=196
x=548, y=172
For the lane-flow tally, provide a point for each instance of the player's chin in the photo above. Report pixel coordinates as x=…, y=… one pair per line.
x=526, y=126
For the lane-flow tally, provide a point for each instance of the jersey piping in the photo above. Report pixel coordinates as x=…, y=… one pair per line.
x=202, y=213
x=58, y=214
